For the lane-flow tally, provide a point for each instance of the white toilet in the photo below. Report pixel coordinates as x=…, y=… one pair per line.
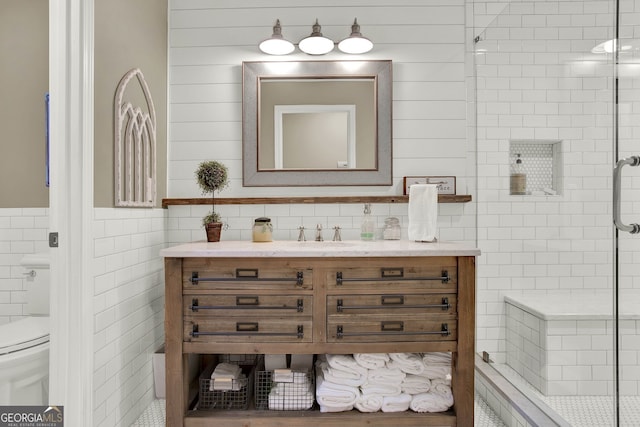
x=24, y=344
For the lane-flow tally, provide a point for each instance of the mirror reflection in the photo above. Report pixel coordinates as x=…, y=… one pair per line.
x=317, y=124
x=310, y=123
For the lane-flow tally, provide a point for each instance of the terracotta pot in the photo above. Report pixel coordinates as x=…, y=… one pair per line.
x=213, y=230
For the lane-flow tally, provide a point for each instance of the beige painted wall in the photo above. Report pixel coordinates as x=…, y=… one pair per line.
x=24, y=76
x=128, y=35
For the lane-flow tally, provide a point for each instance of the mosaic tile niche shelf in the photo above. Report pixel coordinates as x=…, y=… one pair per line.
x=542, y=164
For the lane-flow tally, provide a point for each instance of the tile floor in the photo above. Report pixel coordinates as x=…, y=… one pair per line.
x=154, y=415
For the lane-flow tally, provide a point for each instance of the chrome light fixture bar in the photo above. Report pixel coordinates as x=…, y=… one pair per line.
x=316, y=43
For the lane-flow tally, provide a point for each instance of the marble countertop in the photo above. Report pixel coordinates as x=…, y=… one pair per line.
x=294, y=249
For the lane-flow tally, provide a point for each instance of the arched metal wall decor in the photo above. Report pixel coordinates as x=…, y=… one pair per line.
x=135, y=146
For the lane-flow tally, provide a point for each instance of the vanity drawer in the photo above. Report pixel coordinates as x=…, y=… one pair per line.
x=248, y=329
x=390, y=328
x=439, y=274
x=231, y=274
x=196, y=306
x=421, y=304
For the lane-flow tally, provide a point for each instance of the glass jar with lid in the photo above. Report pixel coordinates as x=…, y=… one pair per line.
x=262, y=230
x=391, y=230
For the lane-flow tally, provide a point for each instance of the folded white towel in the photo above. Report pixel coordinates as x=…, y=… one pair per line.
x=415, y=384
x=226, y=370
x=397, y=403
x=287, y=389
x=431, y=402
x=385, y=376
x=332, y=395
x=437, y=371
x=411, y=363
x=388, y=389
x=285, y=401
x=436, y=358
x=369, y=403
x=228, y=377
x=423, y=212
x=371, y=360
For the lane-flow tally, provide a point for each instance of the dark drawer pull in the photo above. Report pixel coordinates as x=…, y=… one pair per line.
x=387, y=276
x=392, y=326
x=246, y=274
x=394, y=302
x=247, y=327
x=444, y=331
x=195, y=332
x=246, y=303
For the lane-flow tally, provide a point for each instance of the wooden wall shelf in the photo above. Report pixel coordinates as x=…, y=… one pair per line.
x=442, y=198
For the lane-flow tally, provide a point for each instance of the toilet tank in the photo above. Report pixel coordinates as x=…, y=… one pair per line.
x=37, y=274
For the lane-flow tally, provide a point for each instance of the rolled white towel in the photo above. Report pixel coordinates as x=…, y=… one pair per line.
x=442, y=386
x=385, y=376
x=350, y=378
x=415, y=384
x=436, y=371
x=397, y=403
x=369, y=403
x=411, y=363
x=371, y=360
x=436, y=358
x=347, y=363
x=381, y=389
x=332, y=395
x=430, y=402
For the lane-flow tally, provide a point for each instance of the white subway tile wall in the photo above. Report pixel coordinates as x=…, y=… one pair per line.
x=538, y=80
x=22, y=231
x=128, y=304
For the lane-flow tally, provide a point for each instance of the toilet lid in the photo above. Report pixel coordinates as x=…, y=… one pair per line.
x=24, y=333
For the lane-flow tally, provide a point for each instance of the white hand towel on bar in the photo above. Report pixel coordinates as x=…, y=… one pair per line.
x=423, y=212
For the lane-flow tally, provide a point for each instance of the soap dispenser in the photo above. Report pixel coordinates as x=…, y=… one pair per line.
x=367, y=230
x=518, y=177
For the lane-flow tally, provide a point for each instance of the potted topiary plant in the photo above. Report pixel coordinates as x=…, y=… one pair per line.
x=212, y=176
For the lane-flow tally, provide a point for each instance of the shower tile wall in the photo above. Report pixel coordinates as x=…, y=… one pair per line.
x=22, y=231
x=538, y=80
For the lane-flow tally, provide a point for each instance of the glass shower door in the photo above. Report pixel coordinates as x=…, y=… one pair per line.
x=554, y=91
x=626, y=186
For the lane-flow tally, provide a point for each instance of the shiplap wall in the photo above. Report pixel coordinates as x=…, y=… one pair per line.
x=424, y=39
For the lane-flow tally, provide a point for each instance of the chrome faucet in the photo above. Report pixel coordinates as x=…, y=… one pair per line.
x=336, y=234
x=319, y=233
x=301, y=236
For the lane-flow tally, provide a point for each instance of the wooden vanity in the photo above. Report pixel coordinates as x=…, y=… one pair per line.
x=318, y=298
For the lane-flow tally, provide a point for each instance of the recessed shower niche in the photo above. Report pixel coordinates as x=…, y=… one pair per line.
x=535, y=167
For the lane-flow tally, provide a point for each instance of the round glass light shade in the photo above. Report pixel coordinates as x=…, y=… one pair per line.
x=355, y=45
x=316, y=45
x=277, y=46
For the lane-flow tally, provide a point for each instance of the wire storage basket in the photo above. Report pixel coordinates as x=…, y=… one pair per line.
x=284, y=390
x=228, y=393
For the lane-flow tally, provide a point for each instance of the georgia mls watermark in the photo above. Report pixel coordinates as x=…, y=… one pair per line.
x=31, y=416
